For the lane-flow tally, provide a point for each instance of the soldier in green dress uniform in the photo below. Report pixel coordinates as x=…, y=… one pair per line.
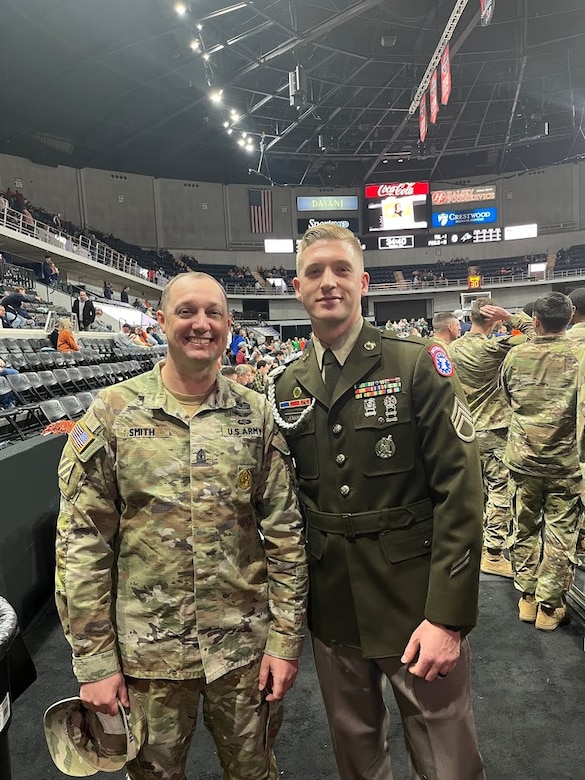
x=390, y=481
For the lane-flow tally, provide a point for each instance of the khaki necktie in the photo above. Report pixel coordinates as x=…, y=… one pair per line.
x=331, y=371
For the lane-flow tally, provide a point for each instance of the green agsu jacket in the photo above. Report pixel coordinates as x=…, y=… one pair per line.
x=390, y=481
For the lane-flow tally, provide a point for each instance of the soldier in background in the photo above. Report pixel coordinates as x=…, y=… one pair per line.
x=446, y=328
x=181, y=571
x=539, y=379
x=390, y=480
x=577, y=335
x=477, y=360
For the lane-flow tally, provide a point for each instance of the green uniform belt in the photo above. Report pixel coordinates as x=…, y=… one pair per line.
x=361, y=523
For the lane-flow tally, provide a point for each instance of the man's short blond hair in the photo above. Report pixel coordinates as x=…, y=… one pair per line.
x=328, y=232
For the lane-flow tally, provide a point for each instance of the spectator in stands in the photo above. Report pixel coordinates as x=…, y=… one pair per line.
x=54, y=336
x=7, y=400
x=138, y=337
x=124, y=295
x=47, y=269
x=262, y=369
x=99, y=324
x=66, y=340
x=229, y=372
x=241, y=356
x=244, y=375
x=4, y=322
x=108, y=291
x=84, y=310
x=238, y=338
x=123, y=338
x=3, y=203
x=149, y=336
x=18, y=316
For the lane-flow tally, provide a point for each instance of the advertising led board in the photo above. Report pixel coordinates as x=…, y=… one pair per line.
x=465, y=195
x=396, y=206
x=513, y=232
x=477, y=236
x=483, y=216
x=328, y=203
x=351, y=223
x=279, y=245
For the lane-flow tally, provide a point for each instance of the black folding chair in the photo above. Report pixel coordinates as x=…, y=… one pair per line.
x=72, y=406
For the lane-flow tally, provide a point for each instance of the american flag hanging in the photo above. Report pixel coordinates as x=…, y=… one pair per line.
x=260, y=210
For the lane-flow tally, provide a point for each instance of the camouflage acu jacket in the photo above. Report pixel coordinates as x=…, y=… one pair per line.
x=477, y=361
x=179, y=544
x=539, y=379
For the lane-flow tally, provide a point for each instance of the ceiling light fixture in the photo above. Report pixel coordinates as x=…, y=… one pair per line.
x=199, y=27
x=206, y=56
x=195, y=45
x=181, y=9
x=215, y=96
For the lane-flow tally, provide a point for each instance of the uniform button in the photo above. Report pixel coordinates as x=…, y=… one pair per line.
x=340, y=459
x=344, y=490
x=427, y=543
x=337, y=428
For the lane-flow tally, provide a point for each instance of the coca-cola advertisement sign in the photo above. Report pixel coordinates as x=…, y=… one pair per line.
x=396, y=206
x=401, y=189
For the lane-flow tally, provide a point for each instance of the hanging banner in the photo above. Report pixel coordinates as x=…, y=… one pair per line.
x=445, y=77
x=433, y=98
x=423, y=122
x=487, y=11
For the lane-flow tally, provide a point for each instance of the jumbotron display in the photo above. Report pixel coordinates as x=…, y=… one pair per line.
x=397, y=206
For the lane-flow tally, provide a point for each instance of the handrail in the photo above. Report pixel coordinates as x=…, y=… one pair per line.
x=82, y=246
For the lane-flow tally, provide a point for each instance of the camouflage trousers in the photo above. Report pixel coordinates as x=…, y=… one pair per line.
x=242, y=723
x=497, y=518
x=546, y=520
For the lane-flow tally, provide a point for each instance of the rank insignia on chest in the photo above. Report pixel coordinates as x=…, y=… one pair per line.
x=295, y=403
x=244, y=480
x=385, y=447
x=442, y=364
x=378, y=387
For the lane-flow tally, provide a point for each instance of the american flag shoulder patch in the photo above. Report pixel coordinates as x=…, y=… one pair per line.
x=80, y=437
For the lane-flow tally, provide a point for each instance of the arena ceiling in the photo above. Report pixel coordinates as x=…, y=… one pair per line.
x=126, y=86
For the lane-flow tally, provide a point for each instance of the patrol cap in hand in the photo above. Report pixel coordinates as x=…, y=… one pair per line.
x=83, y=743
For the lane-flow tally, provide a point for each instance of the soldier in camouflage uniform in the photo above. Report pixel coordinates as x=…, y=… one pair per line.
x=446, y=328
x=478, y=359
x=181, y=570
x=390, y=480
x=577, y=335
x=539, y=379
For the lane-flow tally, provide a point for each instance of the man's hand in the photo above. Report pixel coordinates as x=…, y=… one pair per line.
x=103, y=696
x=495, y=313
x=432, y=651
x=277, y=676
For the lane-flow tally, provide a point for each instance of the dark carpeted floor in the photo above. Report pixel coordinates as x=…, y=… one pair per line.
x=528, y=691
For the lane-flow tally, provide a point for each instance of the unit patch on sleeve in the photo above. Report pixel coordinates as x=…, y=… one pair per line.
x=442, y=364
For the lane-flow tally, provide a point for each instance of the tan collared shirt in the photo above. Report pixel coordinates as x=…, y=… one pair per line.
x=340, y=348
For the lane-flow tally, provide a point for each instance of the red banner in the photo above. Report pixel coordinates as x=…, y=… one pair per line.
x=487, y=11
x=433, y=98
x=423, y=122
x=445, y=77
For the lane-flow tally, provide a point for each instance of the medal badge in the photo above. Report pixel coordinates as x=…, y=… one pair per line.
x=385, y=447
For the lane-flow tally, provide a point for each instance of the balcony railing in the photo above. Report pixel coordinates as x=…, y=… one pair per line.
x=81, y=246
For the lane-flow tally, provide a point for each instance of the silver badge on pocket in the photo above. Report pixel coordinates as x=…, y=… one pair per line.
x=370, y=407
x=385, y=447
